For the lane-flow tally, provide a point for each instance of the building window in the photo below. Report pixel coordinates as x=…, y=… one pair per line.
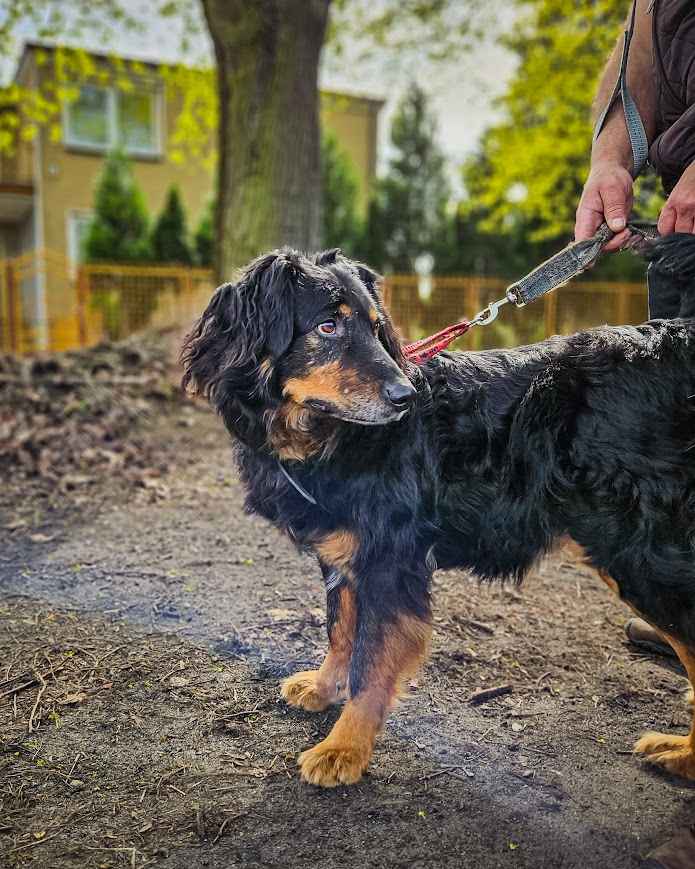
x=88, y=118
x=78, y=227
x=106, y=118
x=137, y=122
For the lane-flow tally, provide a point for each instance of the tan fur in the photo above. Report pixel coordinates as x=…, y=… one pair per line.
x=322, y=382
x=337, y=550
x=578, y=554
x=314, y=690
x=289, y=433
x=669, y=750
x=344, y=754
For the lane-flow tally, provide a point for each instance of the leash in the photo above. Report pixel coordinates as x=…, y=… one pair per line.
x=577, y=256
x=549, y=275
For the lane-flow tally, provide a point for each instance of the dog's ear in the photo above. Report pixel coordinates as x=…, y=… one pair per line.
x=387, y=333
x=244, y=324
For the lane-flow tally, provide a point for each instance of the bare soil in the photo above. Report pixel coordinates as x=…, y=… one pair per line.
x=143, y=634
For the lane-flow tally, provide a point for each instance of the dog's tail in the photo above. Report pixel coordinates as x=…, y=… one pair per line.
x=672, y=273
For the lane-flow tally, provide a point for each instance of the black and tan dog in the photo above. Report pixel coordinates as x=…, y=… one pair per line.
x=479, y=460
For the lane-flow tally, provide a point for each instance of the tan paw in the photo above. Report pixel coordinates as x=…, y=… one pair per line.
x=654, y=743
x=689, y=696
x=669, y=751
x=329, y=764
x=305, y=690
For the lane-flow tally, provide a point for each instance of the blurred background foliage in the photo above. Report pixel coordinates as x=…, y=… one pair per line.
x=520, y=189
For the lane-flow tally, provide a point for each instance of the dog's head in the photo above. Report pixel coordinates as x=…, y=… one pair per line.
x=294, y=345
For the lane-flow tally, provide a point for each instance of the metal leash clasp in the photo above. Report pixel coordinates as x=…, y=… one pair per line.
x=488, y=314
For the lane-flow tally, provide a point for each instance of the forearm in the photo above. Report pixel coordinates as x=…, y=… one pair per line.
x=613, y=144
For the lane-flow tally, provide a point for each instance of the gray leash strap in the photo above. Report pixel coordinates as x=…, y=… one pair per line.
x=572, y=261
x=633, y=121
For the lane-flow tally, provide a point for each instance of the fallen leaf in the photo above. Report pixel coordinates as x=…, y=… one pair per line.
x=277, y=614
x=41, y=538
x=71, y=699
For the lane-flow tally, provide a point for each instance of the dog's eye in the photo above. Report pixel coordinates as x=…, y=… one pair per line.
x=327, y=328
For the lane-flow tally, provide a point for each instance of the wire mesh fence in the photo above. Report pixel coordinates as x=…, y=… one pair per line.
x=46, y=305
x=420, y=307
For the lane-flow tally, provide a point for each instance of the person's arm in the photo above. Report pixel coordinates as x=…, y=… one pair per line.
x=607, y=193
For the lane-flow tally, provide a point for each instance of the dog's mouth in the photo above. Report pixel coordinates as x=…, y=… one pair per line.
x=378, y=418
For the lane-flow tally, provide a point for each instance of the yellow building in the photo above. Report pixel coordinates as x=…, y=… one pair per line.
x=47, y=185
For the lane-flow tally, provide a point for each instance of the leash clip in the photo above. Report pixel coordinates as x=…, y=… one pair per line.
x=489, y=314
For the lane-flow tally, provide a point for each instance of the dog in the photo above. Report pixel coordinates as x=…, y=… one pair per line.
x=478, y=460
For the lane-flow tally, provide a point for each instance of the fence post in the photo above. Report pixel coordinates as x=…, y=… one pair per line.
x=184, y=299
x=550, y=313
x=386, y=292
x=623, y=304
x=82, y=297
x=14, y=314
x=472, y=304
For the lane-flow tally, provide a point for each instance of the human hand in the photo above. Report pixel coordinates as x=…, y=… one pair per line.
x=678, y=215
x=607, y=196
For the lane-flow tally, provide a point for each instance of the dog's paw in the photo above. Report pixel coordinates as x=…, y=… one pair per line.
x=330, y=764
x=689, y=696
x=306, y=691
x=671, y=752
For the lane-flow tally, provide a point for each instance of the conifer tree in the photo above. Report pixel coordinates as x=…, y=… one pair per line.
x=408, y=215
x=203, y=238
x=119, y=230
x=170, y=236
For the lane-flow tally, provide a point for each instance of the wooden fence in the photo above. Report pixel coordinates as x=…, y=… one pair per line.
x=47, y=306
x=421, y=310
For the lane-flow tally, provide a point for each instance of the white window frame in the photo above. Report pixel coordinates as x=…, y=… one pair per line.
x=71, y=218
x=112, y=97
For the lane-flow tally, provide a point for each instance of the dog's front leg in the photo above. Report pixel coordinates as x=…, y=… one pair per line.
x=314, y=690
x=391, y=638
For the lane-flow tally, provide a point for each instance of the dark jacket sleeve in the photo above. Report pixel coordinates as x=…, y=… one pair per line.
x=674, y=150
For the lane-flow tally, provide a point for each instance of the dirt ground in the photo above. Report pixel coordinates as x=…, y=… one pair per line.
x=143, y=634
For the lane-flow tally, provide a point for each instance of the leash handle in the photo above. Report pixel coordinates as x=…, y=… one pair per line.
x=571, y=261
x=559, y=268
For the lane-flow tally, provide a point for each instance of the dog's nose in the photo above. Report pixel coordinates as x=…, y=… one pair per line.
x=400, y=393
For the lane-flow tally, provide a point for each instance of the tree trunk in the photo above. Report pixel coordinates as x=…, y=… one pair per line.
x=269, y=192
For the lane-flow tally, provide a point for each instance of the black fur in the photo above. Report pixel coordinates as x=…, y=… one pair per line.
x=502, y=453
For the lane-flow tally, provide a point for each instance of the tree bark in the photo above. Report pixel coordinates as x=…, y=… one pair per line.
x=267, y=54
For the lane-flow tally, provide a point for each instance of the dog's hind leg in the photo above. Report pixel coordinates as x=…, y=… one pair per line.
x=383, y=660
x=670, y=751
x=314, y=690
